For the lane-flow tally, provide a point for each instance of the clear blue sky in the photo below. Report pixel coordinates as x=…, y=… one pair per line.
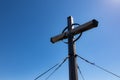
x=27, y=25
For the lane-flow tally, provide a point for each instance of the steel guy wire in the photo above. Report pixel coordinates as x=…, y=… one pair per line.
x=99, y=67
x=56, y=68
x=80, y=72
x=58, y=64
x=46, y=72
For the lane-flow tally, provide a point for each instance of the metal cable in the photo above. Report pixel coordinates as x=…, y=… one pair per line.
x=56, y=68
x=46, y=71
x=99, y=67
x=66, y=35
x=80, y=73
x=78, y=37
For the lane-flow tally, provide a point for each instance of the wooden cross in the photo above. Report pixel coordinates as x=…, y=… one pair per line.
x=73, y=75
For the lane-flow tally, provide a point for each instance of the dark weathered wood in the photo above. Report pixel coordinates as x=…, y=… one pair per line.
x=84, y=27
x=73, y=74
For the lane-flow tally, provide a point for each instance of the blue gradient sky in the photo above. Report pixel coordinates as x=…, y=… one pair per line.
x=27, y=25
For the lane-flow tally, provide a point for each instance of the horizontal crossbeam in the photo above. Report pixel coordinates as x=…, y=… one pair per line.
x=84, y=27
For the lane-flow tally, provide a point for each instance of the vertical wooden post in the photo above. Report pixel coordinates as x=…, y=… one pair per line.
x=73, y=74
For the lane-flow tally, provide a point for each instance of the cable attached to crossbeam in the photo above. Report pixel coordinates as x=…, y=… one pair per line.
x=99, y=66
x=56, y=68
x=80, y=72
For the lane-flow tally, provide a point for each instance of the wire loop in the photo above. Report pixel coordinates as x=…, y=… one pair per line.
x=74, y=39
